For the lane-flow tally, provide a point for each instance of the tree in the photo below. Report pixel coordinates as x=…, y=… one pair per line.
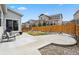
x=51, y=24
x=44, y=24
x=39, y=24
x=33, y=25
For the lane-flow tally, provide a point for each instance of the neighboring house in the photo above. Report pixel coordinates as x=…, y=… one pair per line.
x=9, y=19
x=26, y=24
x=46, y=20
x=65, y=22
x=76, y=17
x=31, y=22
x=53, y=19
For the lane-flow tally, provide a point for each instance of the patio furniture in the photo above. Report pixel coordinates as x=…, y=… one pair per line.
x=8, y=35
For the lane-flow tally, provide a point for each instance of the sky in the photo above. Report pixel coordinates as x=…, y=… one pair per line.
x=32, y=11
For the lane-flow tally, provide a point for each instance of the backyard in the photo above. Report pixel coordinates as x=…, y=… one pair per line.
x=56, y=40
x=40, y=44
x=46, y=35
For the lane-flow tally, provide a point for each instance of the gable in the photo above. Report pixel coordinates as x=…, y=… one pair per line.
x=12, y=15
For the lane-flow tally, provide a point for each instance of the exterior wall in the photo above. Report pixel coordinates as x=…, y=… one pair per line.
x=8, y=15
x=1, y=27
x=60, y=21
x=41, y=22
x=43, y=17
x=48, y=20
x=36, y=23
x=54, y=19
x=13, y=16
x=57, y=19
x=32, y=22
x=76, y=18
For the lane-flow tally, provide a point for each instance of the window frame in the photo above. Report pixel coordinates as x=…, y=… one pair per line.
x=12, y=21
x=0, y=18
x=15, y=26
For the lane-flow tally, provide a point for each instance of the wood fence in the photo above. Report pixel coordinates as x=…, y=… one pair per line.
x=25, y=29
x=70, y=28
x=77, y=30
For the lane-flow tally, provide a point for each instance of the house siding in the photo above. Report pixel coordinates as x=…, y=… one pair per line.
x=1, y=27
x=76, y=17
x=45, y=20
x=57, y=19
x=13, y=16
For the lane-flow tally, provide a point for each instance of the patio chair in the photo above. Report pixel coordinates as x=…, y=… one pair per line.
x=8, y=35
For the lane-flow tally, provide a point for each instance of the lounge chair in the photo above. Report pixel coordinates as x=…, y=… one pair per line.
x=8, y=36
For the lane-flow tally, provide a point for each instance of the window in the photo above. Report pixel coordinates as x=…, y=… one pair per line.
x=40, y=18
x=0, y=18
x=15, y=25
x=9, y=24
x=12, y=24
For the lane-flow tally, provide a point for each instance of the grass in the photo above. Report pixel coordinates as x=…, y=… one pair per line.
x=36, y=33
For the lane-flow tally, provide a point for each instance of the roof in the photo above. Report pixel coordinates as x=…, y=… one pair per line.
x=76, y=12
x=57, y=15
x=44, y=15
x=15, y=12
x=60, y=15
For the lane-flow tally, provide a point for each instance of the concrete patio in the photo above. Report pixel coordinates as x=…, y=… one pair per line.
x=29, y=45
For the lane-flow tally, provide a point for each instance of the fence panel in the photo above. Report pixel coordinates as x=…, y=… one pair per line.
x=70, y=28
x=77, y=30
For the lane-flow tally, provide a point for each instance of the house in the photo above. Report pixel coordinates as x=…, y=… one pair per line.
x=76, y=17
x=9, y=19
x=44, y=20
x=65, y=22
x=52, y=19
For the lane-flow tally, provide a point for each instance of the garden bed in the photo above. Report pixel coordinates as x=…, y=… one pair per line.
x=52, y=49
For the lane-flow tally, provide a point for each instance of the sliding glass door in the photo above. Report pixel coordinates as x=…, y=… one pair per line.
x=9, y=24
x=12, y=24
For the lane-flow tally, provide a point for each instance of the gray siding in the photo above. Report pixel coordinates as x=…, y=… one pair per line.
x=13, y=16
